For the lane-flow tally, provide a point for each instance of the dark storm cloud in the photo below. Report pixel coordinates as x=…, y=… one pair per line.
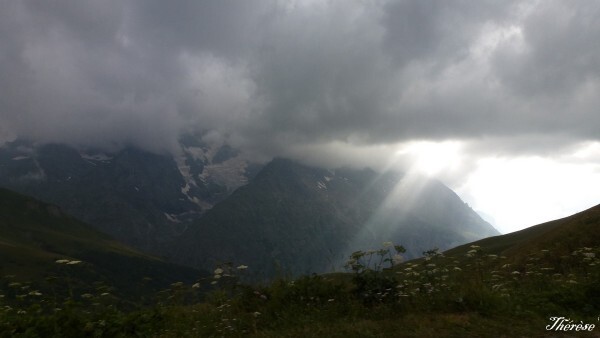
x=274, y=75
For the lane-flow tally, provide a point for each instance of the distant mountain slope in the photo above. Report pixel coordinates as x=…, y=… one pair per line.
x=140, y=198
x=34, y=235
x=297, y=219
x=561, y=236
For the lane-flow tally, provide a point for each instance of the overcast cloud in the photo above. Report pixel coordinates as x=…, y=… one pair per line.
x=304, y=78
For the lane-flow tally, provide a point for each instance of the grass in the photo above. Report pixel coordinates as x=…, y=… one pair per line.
x=476, y=295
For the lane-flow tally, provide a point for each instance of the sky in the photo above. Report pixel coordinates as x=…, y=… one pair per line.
x=497, y=99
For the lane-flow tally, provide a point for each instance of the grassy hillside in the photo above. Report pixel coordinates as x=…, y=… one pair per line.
x=515, y=285
x=35, y=235
x=564, y=234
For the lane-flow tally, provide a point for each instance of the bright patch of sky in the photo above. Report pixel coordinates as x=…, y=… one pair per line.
x=510, y=192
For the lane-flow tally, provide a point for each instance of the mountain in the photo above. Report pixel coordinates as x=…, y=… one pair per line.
x=294, y=219
x=35, y=237
x=140, y=198
x=207, y=203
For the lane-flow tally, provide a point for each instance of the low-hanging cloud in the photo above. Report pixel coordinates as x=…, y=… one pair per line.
x=277, y=76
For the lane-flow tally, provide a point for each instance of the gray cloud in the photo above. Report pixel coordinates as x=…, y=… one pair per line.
x=275, y=76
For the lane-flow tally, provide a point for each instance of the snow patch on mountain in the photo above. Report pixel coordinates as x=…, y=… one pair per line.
x=210, y=170
x=99, y=157
x=230, y=173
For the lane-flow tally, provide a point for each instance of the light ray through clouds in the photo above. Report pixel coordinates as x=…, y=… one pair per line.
x=399, y=203
x=511, y=193
x=404, y=190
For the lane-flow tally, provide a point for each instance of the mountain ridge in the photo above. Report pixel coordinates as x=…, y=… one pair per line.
x=295, y=219
x=141, y=198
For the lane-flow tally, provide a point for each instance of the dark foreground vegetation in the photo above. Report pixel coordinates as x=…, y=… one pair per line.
x=474, y=293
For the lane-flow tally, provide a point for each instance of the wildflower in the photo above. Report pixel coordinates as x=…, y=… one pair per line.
x=397, y=259
x=87, y=295
x=218, y=271
x=196, y=285
x=515, y=273
x=256, y=314
x=62, y=261
x=35, y=293
x=387, y=244
x=456, y=268
x=242, y=267
x=217, y=276
x=472, y=252
x=330, y=300
x=589, y=254
x=73, y=262
x=475, y=247
x=431, y=265
x=570, y=281
x=213, y=282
